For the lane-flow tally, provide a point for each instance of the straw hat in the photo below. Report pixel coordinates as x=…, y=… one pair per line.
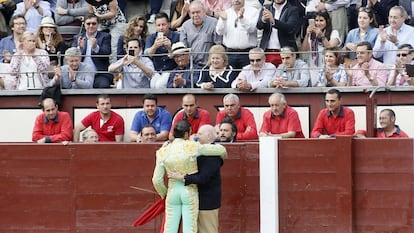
x=47, y=22
x=179, y=48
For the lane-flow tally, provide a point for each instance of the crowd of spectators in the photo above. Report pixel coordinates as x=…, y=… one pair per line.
x=222, y=44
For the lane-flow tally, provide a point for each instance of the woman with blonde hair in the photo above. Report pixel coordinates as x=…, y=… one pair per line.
x=29, y=64
x=137, y=27
x=217, y=73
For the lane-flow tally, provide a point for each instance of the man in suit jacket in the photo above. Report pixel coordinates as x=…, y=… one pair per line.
x=96, y=48
x=282, y=17
x=408, y=6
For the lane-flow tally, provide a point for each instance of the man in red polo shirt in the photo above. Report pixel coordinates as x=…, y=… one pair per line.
x=281, y=120
x=388, y=127
x=108, y=124
x=191, y=113
x=242, y=117
x=335, y=119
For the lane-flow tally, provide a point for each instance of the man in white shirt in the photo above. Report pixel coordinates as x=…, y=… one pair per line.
x=239, y=21
x=256, y=75
x=391, y=37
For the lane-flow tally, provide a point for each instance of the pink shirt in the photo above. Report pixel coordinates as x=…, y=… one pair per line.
x=218, y=5
x=377, y=70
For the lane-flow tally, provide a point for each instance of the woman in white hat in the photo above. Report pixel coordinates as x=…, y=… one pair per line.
x=49, y=39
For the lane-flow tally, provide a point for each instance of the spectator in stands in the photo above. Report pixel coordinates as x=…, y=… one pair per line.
x=6, y=11
x=179, y=13
x=367, y=71
x=191, y=113
x=9, y=44
x=366, y=31
x=242, y=117
x=208, y=181
x=155, y=9
x=33, y=11
x=217, y=73
x=335, y=119
x=29, y=64
x=95, y=46
x=90, y=136
x=293, y=72
x=389, y=38
x=279, y=29
x=108, y=124
x=153, y=115
x=70, y=13
x=183, y=75
x=136, y=70
x=388, y=127
x=137, y=27
x=148, y=134
x=333, y=74
x=227, y=131
x=319, y=36
x=281, y=120
x=409, y=9
x=338, y=15
x=398, y=75
x=52, y=125
x=158, y=46
x=215, y=7
x=199, y=32
x=238, y=21
x=381, y=9
x=111, y=20
x=256, y=75
x=49, y=39
x=74, y=74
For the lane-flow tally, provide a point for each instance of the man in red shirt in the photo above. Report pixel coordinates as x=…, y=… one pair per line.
x=242, y=117
x=108, y=124
x=388, y=127
x=52, y=125
x=335, y=119
x=281, y=120
x=192, y=114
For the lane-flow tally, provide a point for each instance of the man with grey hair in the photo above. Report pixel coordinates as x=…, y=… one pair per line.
x=90, y=136
x=280, y=120
x=242, y=117
x=199, y=32
x=256, y=75
x=76, y=74
x=208, y=180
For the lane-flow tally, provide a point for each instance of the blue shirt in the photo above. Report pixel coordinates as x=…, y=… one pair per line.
x=161, y=122
x=353, y=37
x=186, y=75
x=163, y=62
x=7, y=43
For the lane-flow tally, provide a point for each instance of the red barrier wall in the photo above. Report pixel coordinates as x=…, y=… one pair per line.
x=335, y=185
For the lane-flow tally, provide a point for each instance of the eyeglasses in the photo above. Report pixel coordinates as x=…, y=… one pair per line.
x=91, y=23
x=255, y=60
x=365, y=9
x=402, y=54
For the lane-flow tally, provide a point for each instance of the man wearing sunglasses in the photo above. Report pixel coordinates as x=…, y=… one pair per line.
x=257, y=74
x=96, y=48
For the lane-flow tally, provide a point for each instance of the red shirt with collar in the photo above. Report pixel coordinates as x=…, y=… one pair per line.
x=397, y=134
x=326, y=123
x=287, y=121
x=243, y=119
x=201, y=117
x=114, y=126
x=57, y=130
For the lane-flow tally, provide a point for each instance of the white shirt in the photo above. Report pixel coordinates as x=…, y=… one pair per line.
x=243, y=29
x=261, y=80
x=274, y=42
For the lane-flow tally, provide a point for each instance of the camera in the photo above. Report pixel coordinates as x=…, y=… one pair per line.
x=131, y=52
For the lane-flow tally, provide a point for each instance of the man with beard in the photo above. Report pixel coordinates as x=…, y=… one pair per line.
x=256, y=75
x=52, y=125
x=280, y=22
x=108, y=124
x=227, y=131
x=367, y=71
x=198, y=33
x=335, y=119
x=152, y=115
x=74, y=75
x=236, y=22
x=9, y=44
